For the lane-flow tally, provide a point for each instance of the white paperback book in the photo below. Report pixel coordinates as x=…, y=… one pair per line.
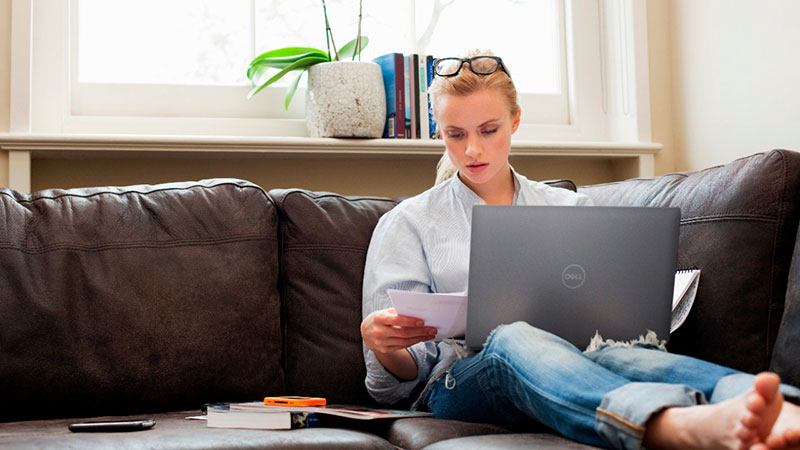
x=231, y=417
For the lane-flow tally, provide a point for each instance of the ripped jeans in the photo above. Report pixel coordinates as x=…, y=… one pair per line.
x=602, y=397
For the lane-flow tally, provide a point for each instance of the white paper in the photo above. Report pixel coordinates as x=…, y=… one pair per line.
x=447, y=312
x=686, y=282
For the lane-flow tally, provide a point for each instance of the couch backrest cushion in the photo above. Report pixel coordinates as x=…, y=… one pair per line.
x=738, y=225
x=121, y=300
x=324, y=239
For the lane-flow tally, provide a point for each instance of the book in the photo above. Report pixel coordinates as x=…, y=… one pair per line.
x=415, y=110
x=431, y=122
x=234, y=416
x=448, y=311
x=423, y=107
x=408, y=85
x=394, y=85
x=346, y=411
x=226, y=417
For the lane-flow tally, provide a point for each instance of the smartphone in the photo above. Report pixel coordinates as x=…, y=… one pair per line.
x=294, y=401
x=110, y=426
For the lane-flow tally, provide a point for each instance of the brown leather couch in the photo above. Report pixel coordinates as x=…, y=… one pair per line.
x=150, y=301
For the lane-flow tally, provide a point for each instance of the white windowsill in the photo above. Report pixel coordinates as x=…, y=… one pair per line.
x=24, y=147
x=51, y=145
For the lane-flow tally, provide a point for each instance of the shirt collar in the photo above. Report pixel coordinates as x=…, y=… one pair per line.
x=469, y=197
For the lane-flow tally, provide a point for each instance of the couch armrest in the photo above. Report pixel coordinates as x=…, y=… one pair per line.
x=785, y=359
x=739, y=224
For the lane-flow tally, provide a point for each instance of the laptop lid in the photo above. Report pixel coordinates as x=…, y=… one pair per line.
x=572, y=270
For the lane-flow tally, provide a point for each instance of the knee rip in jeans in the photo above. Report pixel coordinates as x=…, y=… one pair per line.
x=650, y=340
x=502, y=326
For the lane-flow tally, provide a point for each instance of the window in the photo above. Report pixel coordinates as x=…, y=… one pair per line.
x=178, y=66
x=188, y=58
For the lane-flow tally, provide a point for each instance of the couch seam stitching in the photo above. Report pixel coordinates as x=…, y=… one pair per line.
x=132, y=245
x=719, y=217
x=127, y=192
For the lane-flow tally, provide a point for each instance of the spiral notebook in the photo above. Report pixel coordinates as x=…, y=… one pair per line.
x=686, y=283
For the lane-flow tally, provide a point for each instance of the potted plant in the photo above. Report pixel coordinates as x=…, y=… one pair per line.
x=344, y=98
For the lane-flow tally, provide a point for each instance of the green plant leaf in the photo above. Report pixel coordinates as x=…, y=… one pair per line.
x=288, y=51
x=254, y=73
x=256, y=69
x=349, y=50
x=292, y=88
x=297, y=65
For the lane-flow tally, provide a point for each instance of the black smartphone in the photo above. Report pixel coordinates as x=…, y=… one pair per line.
x=109, y=426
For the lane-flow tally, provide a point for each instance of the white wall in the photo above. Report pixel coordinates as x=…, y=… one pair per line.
x=736, y=78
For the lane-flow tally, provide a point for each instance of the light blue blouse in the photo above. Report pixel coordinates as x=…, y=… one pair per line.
x=423, y=245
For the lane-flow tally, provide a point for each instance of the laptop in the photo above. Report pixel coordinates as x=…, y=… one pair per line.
x=572, y=270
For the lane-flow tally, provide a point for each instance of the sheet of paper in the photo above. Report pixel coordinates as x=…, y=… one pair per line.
x=447, y=312
x=686, y=282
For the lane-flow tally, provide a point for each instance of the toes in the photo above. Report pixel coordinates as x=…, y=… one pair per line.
x=750, y=420
x=746, y=434
x=776, y=442
x=766, y=384
x=793, y=438
x=756, y=403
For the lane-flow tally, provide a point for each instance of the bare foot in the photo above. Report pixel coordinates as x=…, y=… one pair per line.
x=764, y=403
x=770, y=422
x=758, y=419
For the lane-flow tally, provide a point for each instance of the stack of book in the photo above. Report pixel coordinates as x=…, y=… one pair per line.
x=406, y=79
x=231, y=416
x=257, y=416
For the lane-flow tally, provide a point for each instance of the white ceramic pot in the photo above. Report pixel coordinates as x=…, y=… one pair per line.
x=345, y=99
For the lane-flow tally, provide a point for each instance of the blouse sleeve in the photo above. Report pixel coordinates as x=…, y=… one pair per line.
x=395, y=260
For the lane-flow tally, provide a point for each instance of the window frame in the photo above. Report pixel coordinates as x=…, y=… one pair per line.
x=607, y=85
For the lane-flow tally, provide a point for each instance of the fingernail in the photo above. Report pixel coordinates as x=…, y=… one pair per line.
x=432, y=331
x=419, y=323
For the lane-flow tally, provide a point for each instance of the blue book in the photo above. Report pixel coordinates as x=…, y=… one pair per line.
x=392, y=68
x=431, y=123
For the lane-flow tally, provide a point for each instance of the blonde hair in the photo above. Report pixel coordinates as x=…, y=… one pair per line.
x=465, y=83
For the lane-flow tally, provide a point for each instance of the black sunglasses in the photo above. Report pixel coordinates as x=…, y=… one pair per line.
x=479, y=65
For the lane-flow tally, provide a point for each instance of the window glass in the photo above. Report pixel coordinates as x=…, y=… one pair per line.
x=209, y=41
x=164, y=42
x=281, y=23
x=531, y=52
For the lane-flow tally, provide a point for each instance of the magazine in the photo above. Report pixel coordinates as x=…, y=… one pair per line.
x=347, y=411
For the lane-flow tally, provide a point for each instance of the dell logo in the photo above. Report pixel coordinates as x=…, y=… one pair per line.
x=573, y=276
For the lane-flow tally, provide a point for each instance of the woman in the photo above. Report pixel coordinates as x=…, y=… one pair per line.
x=613, y=396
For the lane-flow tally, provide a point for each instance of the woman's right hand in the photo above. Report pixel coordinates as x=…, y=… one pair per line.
x=384, y=331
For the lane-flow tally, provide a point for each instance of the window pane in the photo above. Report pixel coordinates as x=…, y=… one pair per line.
x=525, y=33
x=282, y=23
x=169, y=42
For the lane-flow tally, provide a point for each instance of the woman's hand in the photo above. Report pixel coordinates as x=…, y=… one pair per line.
x=385, y=331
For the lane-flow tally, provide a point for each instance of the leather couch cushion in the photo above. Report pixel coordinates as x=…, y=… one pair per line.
x=173, y=431
x=538, y=441
x=416, y=433
x=324, y=239
x=118, y=300
x=738, y=225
